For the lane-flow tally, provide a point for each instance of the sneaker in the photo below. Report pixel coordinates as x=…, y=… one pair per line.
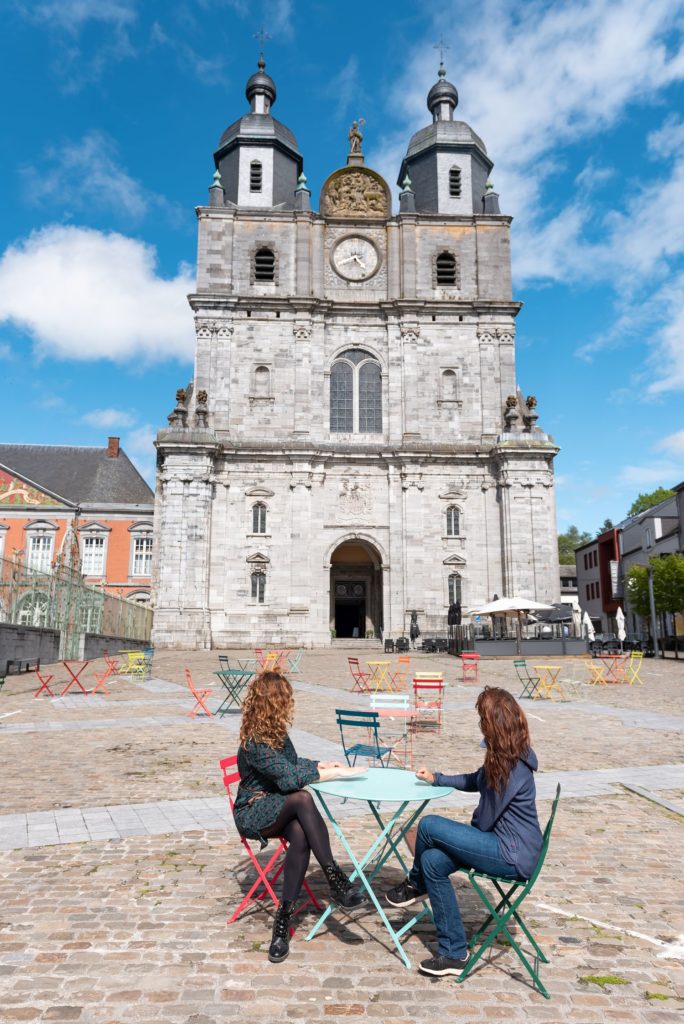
x=441, y=965
x=404, y=895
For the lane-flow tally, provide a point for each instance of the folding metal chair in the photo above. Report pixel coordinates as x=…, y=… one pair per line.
x=293, y=660
x=428, y=698
x=633, y=667
x=271, y=871
x=529, y=682
x=199, y=695
x=512, y=895
x=372, y=749
x=359, y=676
x=470, y=662
x=100, y=680
x=44, y=683
x=401, y=675
x=396, y=716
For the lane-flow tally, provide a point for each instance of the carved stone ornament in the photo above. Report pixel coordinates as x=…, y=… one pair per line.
x=204, y=328
x=181, y=396
x=354, y=502
x=355, y=192
x=302, y=331
x=410, y=331
x=511, y=402
x=223, y=330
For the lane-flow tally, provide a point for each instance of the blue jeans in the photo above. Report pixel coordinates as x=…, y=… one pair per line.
x=443, y=846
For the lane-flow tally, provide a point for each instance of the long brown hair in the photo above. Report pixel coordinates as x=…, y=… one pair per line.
x=504, y=727
x=267, y=710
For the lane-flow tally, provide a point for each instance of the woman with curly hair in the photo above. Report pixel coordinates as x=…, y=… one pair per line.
x=503, y=838
x=271, y=800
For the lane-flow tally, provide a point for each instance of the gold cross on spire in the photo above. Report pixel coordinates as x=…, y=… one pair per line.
x=263, y=37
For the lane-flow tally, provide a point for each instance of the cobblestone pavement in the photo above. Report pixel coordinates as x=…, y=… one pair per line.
x=119, y=864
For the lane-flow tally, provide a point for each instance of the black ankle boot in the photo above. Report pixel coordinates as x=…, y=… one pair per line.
x=280, y=940
x=343, y=892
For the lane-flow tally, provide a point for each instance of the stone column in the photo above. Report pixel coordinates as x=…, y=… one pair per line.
x=302, y=331
x=411, y=404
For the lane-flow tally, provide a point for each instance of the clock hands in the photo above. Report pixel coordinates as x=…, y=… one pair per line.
x=356, y=257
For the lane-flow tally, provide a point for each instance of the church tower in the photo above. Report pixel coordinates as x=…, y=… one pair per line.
x=354, y=444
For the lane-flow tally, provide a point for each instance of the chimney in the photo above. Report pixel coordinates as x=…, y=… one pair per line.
x=112, y=448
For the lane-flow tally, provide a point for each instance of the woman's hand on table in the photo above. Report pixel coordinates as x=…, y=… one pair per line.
x=425, y=775
x=341, y=772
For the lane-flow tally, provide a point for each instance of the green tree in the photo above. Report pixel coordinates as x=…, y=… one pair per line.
x=607, y=525
x=645, y=501
x=668, y=587
x=568, y=541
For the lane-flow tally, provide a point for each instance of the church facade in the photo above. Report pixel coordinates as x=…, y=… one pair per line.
x=353, y=445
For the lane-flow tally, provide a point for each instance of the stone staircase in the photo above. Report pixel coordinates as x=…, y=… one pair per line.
x=359, y=644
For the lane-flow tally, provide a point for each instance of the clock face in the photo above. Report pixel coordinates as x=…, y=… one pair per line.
x=355, y=258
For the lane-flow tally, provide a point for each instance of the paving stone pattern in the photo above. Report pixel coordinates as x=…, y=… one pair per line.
x=119, y=863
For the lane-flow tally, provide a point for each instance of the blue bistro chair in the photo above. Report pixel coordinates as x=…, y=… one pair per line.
x=372, y=748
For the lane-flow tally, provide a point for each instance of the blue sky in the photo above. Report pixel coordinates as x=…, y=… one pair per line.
x=112, y=110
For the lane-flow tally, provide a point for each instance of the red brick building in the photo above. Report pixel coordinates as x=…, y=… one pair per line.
x=51, y=493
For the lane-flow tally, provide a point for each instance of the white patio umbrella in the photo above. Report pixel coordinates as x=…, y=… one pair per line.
x=588, y=626
x=576, y=620
x=621, y=632
x=513, y=608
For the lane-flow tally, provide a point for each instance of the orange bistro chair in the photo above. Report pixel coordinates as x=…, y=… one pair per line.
x=428, y=698
x=199, y=695
x=268, y=875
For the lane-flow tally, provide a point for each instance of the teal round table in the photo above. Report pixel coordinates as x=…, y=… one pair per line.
x=380, y=786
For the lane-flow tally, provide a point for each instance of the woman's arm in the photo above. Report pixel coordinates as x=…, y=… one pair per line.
x=287, y=776
x=467, y=783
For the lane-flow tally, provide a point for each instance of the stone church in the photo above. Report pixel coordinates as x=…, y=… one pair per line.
x=353, y=445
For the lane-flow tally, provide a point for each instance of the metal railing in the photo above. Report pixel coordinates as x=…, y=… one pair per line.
x=61, y=600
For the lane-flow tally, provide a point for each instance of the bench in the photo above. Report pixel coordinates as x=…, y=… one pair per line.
x=22, y=665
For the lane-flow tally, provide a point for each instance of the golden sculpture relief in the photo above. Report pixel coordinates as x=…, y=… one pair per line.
x=355, y=193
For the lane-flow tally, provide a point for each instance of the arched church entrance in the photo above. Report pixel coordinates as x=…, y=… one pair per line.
x=356, y=590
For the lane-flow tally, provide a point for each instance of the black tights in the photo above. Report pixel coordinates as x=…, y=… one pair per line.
x=301, y=824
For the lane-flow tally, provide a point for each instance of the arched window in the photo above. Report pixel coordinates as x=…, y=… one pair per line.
x=449, y=386
x=453, y=523
x=446, y=270
x=264, y=265
x=262, y=382
x=455, y=589
x=355, y=393
x=455, y=182
x=259, y=517
x=255, y=176
x=259, y=587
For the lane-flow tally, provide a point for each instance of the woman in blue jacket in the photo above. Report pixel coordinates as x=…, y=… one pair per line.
x=271, y=800
x=503, y=838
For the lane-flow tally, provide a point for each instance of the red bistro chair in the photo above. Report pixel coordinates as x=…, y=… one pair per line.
x=199, y=695
x=470, y=661
x=267, y=875
x=359, y=676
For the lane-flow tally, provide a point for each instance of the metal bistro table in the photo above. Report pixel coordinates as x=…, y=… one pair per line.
x=234, y=681
x=389, y=786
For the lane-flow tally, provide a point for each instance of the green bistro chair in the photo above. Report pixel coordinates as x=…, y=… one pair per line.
x=372, y=749
x=512, y=895
x=529, y=682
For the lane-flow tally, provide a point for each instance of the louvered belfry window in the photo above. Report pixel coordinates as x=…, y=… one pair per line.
x=446, y=268
x=264, y=265
x=455, y=182
x=255, y=176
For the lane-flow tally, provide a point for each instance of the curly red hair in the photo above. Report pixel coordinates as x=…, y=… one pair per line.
x=507, y=735
x=267, y=710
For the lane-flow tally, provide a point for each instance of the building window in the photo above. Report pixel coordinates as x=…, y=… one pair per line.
x=262, y=382
x=264, y=265
x=259, y=587
x=446, y=269
x=259, y=518
x=93, y=556
x=455, y=182
x=355, y=394
x=255, y=176
x=142, y=556
x=449, y=386
x=33, y=609
x=588, y=592
x=455, y=589
x=39, y=554
x=453, y=521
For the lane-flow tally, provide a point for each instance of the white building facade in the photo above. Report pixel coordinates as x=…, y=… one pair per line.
x=353, y=445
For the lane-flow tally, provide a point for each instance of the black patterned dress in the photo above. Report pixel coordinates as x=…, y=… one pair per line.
x=266, y=777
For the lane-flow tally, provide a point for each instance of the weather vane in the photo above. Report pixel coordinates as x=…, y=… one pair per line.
x=442, y=47
x=263, y=37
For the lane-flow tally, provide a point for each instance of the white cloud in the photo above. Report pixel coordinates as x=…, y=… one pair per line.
x=209, y=70
x=345, y=87
x=108, y=418
x=73, y=15
x=672, y=443
x=85, y=174
x=661, y=474
x=5, y=351
x=82, y=294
